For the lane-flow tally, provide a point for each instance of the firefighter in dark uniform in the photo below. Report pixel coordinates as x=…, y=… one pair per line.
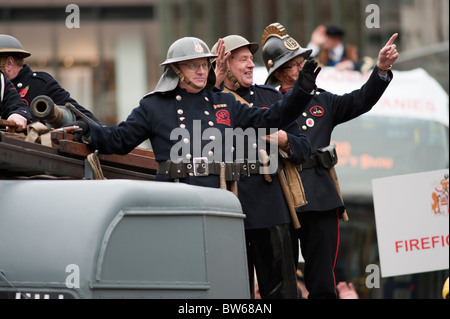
x=12, y=107
x=319, y=218
x=29, y=83
x=188, y=124
x=267, y=221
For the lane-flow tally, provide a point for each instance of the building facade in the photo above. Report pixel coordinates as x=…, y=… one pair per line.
x=111, y=57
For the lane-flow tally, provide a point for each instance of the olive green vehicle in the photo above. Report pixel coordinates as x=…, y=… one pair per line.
x=75, y=224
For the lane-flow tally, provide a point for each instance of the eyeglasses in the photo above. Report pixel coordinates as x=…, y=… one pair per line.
x=195, y=66
x=296, y=64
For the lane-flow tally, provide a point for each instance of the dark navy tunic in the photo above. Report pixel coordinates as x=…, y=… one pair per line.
x=178, y=119
x=31, y=84
x=264, y=203
x=325, y=111
x=10, y=102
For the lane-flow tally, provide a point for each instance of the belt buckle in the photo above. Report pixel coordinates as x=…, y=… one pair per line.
x=200, y=166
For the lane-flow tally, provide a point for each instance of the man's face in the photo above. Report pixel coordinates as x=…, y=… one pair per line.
x=9, y=66
x=196, y=71
x=241, y=65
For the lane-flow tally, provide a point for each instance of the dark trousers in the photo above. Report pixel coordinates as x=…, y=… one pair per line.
x=270, y=253
x=319, y=243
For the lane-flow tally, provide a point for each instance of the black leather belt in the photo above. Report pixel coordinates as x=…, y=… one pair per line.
x=200, y=167
x=325, y=157
x=312, y=162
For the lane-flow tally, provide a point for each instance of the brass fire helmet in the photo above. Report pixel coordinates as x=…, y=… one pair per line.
x=187, y=48
x=445, y=290
x=277, y=49
x=9, y=45
x=233, y=42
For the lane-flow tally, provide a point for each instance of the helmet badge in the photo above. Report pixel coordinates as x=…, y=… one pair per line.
x=198, y=47
x=291, y=44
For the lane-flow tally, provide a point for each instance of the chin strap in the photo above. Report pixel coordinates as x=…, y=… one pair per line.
x=233, y=79
x=2, y=86
x=183, y=77
x=3, y=64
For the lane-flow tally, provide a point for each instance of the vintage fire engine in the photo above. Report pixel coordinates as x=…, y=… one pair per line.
x=75, y=224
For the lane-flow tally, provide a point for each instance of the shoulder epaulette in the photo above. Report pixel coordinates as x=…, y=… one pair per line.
x=42, y=76
x=267, y=87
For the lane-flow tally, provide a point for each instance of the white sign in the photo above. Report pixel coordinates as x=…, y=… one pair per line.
x=412, y=93
x=412, y=221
